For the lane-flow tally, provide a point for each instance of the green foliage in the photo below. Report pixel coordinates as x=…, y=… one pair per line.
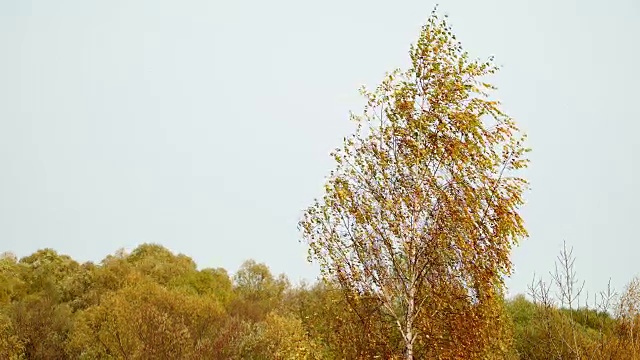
x=11, y=346
x=41, y=326
x=131, y=308
x=160, y=264
x=257, y=291
x=145, y=320
x=11, y=284
x=147, y=304
x=280, y=337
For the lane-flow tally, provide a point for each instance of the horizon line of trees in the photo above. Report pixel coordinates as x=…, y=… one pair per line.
x=152, y=304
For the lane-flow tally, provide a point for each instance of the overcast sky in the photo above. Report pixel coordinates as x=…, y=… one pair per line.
x=205, y=126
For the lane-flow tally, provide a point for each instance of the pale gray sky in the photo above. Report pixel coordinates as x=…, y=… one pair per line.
x=206, y=125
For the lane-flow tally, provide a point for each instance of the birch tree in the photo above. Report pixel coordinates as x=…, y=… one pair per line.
x=425, y=193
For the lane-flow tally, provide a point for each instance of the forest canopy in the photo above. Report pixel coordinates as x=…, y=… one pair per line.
x=152, y=304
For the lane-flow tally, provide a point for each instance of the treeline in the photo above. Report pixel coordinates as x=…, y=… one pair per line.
x=153, y=304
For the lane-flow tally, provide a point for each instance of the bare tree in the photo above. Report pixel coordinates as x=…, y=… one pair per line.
x=569, y=289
